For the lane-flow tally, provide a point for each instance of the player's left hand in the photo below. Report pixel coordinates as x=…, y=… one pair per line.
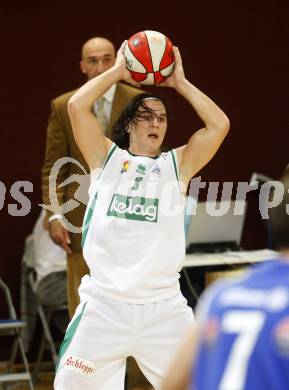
x=178, y=74
x=120, y=63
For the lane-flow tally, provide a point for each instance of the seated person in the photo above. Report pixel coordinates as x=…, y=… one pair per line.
x=48, y=261
x=49, y=265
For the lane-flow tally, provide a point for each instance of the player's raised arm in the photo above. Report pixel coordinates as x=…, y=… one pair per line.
x=205, y=142
x=86, y=129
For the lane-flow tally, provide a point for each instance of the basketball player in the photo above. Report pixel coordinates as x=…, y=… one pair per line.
x=241, y=340
x=131, y=304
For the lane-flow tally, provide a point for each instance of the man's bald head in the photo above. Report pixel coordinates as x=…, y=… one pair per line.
x=97, y=55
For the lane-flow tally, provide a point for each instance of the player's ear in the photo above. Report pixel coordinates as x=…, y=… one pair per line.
x=82, y=67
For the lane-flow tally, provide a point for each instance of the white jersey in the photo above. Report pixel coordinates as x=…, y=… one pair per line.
x=133, y=230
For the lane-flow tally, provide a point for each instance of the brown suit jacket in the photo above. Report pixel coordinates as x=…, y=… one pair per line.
x=60, y=143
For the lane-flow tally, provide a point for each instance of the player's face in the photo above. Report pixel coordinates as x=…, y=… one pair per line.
x=148, y=131
x=98, y=55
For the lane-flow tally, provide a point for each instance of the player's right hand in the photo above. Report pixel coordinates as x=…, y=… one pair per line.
x=178, y=74
x=121, y=63
x=59, y=235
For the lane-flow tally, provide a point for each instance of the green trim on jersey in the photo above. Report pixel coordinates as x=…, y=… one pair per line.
x=91, y=205
x=175, y=159
x=87, y=220
x=138, y=155
x=69, y=335
x=175, y=163
x=113, y=147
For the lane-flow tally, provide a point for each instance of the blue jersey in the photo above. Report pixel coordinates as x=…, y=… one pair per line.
x=244, y=340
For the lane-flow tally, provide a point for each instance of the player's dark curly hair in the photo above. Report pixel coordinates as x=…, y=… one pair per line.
x=129, y=116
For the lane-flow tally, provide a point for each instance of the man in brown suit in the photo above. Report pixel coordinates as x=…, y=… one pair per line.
x=66, y=204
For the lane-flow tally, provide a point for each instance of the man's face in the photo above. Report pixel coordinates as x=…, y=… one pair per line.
x=98, y=55
x=148, y=131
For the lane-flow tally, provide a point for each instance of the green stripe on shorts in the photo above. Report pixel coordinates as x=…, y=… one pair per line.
x=69, y=335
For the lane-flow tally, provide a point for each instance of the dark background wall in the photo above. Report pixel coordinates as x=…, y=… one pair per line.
x=233, y=51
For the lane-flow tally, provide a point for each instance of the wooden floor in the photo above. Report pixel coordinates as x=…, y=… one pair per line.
x=45, y=383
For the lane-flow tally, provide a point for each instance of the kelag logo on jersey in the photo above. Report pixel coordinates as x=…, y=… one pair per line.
x=137, y=208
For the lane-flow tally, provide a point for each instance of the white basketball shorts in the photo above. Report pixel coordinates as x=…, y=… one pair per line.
x=103, y=333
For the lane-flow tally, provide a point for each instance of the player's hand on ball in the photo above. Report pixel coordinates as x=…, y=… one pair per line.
x=178, y=74
x=120, y=63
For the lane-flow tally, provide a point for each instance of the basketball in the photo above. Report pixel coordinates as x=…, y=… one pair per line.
x=149, y=57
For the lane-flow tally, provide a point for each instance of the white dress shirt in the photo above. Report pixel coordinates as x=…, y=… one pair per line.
x=108, y=95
